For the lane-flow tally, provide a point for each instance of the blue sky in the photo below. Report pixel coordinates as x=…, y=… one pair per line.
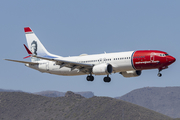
x=70, y=28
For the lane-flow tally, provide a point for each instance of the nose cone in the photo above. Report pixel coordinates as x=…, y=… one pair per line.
x=171, y=59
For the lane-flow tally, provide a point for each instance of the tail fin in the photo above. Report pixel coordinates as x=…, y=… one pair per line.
x=34, y=44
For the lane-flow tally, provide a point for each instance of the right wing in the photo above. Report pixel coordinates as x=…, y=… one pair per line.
x=22, y=61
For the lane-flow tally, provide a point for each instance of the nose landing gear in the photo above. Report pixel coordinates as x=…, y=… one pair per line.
x=160, y=69
x=159, y=74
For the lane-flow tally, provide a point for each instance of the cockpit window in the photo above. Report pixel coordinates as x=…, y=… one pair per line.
x=163, y=55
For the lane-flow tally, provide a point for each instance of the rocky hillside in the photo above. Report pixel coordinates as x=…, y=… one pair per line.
x=86, y=94
x=3, y=90
x=48, y=93
x=165, y=100
x=25, y=106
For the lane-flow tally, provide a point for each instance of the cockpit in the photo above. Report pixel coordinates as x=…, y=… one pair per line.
x=163, y=55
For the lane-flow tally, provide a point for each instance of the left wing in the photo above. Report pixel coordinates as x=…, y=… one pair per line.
x=22, y=61
x=70, y=64
x=87, y=68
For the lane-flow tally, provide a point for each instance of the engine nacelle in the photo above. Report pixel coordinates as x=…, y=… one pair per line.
x=131, y=73
x=102, y=69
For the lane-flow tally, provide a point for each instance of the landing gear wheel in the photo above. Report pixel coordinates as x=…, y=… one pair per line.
x=107, y=79
x=90, y=78
x=159, y=74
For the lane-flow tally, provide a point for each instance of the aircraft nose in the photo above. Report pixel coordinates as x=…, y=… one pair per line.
x=174, y=59
x=171, y=59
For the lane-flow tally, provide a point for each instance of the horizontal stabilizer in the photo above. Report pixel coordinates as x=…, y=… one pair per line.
x=22, y=61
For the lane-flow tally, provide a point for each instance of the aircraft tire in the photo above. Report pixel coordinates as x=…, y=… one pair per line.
x=107, y=79
x=90, y=78
x=159, y=74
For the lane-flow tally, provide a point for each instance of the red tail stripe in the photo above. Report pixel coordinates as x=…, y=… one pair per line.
x=27, y=29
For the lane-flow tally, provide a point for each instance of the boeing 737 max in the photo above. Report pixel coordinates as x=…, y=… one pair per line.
x=128, y=64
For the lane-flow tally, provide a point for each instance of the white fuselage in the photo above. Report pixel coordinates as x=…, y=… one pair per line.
x=121, y=61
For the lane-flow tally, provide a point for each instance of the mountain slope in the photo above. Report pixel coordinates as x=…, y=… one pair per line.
x=48, y=93
x=24, y=106
x=4, y=90
x=86, y=94
x=163, y=100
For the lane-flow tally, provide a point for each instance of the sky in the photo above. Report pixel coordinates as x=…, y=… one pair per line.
x=71, y=28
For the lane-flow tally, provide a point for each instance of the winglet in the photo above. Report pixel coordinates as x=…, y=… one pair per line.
x=29, y=52
x=27, y=29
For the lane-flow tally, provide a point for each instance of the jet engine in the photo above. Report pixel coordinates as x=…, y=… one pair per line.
x=102, y=69
x=131, y=73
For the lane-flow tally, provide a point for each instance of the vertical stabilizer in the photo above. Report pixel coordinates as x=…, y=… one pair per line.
x=34, y=44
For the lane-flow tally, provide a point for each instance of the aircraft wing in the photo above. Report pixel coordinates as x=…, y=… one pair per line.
x=73, y=65
x=22, y=61
x=86, y=68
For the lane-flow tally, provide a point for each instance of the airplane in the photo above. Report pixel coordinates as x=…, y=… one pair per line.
x=128, y=64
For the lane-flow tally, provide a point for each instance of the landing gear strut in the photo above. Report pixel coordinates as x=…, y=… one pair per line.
x=160, y=69
x=90, y=78
x=107, y=79
x=159, y=74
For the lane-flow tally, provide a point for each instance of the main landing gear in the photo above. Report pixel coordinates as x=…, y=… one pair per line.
x=91, y=78
x=107, y=79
